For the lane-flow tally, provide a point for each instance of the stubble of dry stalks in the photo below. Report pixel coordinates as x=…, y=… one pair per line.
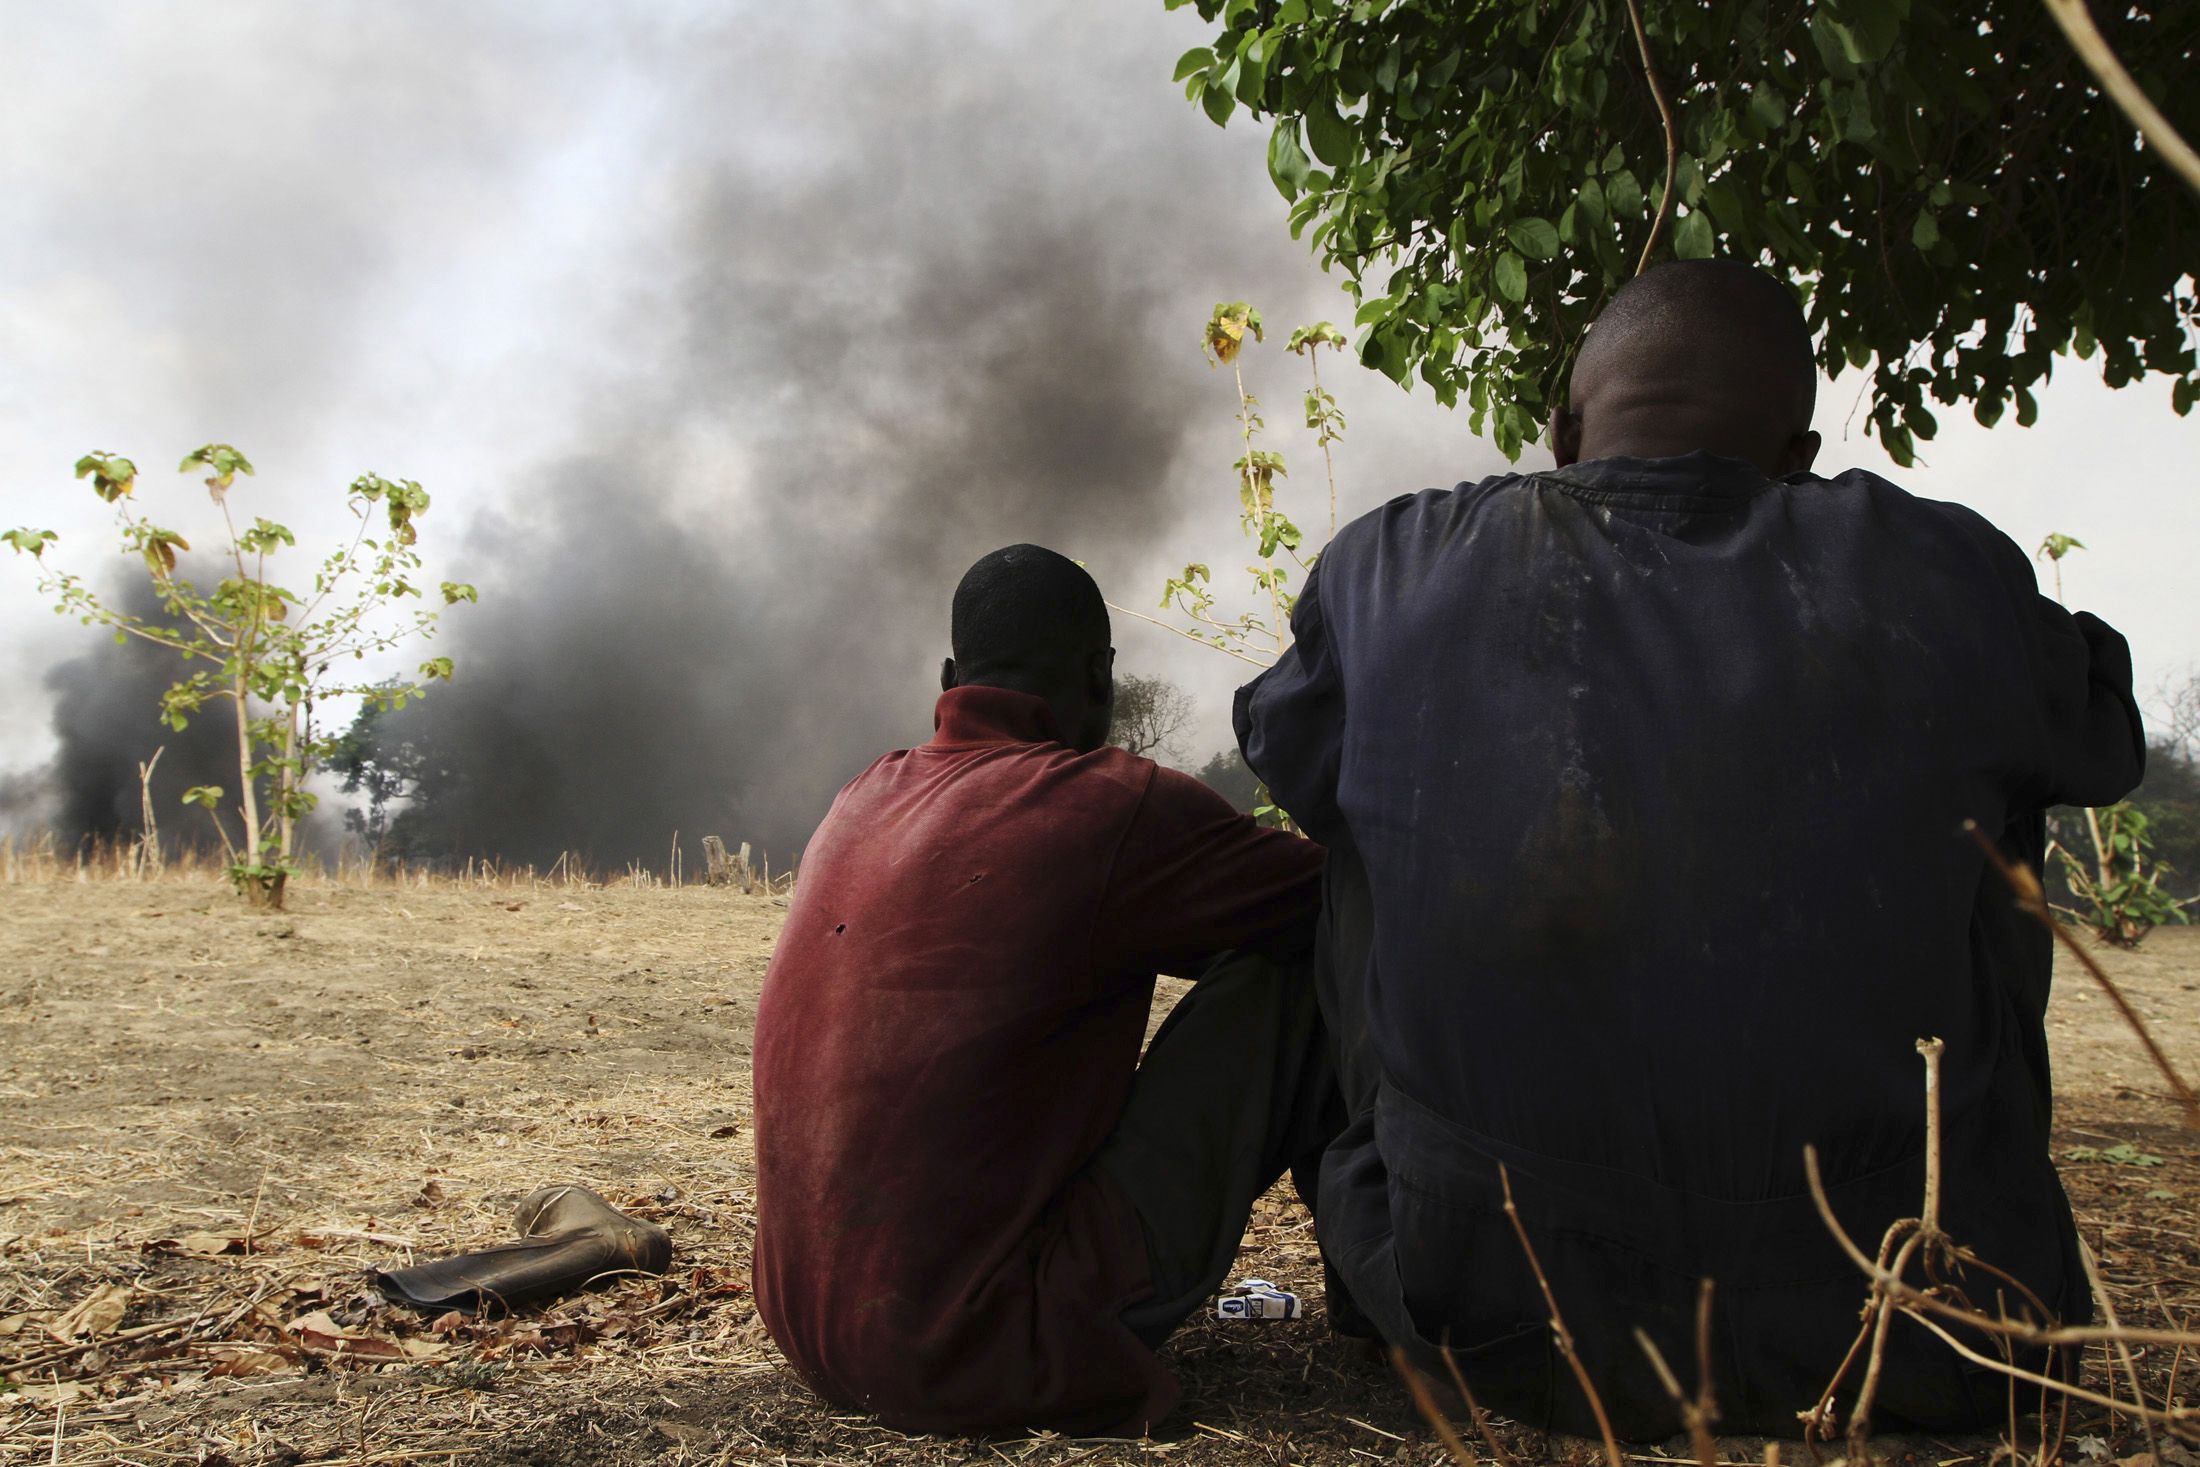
x=1937, y=1305
x=40, y=859
x=1561, y=1336
x=1700, y=1412
x=1941, y=1302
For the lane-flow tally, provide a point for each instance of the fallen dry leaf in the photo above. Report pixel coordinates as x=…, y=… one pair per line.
x=323, y=1335
x=59, y=1392
x=97, y=1313
x=250, y=1362
x=202, y=1245
x=13, y=1324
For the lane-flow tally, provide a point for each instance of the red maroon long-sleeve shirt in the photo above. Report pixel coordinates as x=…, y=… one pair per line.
x=947, y=1033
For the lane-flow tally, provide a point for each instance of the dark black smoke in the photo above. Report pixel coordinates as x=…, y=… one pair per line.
x=962, y=324
x=929, y=283
x=107, y=718
x=633, y=670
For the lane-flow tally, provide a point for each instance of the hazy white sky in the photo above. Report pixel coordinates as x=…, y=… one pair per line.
x=456, y=243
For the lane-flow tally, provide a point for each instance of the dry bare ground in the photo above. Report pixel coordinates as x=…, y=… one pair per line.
x=216, y=1120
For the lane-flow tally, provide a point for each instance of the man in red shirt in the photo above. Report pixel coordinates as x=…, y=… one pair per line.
x=976, y=1209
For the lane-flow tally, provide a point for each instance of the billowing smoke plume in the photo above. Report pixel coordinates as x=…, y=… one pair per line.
x=636, y=670
x=895, y=286
x=911, y=378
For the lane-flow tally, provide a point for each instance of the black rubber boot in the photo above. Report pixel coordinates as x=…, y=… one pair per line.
x=568, y=1237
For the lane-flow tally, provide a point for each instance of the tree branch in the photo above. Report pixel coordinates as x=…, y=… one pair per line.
x=2093, y=49
x=1672, y=134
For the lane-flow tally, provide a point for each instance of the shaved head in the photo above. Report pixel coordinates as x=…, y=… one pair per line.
x=1032, y=620
x=1694, y=355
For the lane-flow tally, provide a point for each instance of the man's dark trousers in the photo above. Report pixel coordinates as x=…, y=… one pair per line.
x=1237, y=1087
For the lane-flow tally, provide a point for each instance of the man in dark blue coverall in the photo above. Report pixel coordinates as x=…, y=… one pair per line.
x=1641, y=781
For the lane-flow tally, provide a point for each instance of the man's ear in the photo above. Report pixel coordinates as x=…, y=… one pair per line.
x=1100, y=676
x=1565, y=436
x=1801, y=452
x=947, y=674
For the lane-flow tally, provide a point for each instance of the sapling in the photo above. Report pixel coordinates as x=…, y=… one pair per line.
x=1322, y=412
x=266, y=650
x=1279, y=544
x=2120, y=890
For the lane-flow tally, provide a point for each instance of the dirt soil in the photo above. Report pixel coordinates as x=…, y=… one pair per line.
x=217, y=1120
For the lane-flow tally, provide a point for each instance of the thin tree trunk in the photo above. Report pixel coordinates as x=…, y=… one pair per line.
x=257, y=889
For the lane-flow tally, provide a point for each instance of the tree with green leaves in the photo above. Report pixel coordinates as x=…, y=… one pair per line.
x=387, y=767
x=1961, y=202
x=264, y=649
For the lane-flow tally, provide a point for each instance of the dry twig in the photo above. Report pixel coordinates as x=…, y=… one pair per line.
x=2032, y=898
x=1559, y=1332
x=1480, y=1417
x=1425, y=1401
x=1700, y=1412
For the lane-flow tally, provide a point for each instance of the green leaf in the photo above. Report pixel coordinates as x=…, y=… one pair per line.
x=222, y=463
x=1287, y=164
x=1335, y=140
x=1692, y=236
x=1925, y=233
x=1195, y=61
x=112, y=475
x=1535, y=238
x=1512, y=277
x=1624, y=195
x=1590, y=199
x=1216, y=98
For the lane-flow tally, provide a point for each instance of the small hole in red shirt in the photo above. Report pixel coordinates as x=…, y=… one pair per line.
x=843, y=927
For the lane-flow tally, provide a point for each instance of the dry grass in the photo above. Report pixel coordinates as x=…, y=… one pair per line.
x=380, y=1072
x=42, y=860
